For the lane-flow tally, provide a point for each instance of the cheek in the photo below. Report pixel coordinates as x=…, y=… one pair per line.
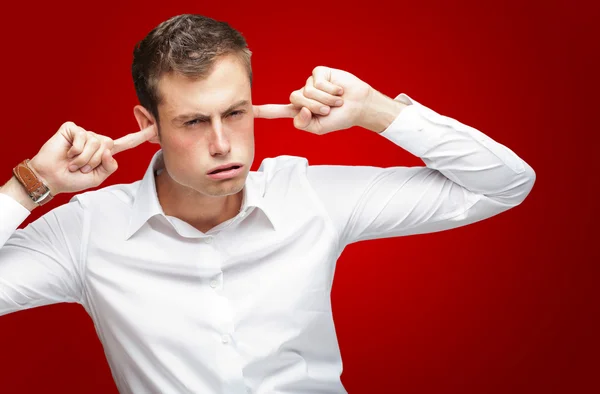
x=183, y=143
x=182, y=152
x=246, y=130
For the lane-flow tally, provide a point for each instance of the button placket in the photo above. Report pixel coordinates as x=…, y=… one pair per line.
x=216, y=281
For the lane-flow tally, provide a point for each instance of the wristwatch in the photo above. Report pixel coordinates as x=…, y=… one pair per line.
x=37, y=190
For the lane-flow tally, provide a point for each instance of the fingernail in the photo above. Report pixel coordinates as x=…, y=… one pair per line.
x=86, y=168
x=73, y=167
x=338, y=103
x=324, y=110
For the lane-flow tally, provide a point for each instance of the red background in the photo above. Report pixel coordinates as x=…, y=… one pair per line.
x=507, y=305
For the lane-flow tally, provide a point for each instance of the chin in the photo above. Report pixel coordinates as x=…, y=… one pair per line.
x=227, y=187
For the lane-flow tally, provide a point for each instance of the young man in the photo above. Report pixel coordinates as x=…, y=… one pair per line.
x=204, y=277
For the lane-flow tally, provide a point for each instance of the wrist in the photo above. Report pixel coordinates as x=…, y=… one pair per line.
x=37, y=169
x=32, y=183
x=380, y=111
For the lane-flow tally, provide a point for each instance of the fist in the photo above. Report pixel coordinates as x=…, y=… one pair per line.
x=75, y=159
x=330, y=100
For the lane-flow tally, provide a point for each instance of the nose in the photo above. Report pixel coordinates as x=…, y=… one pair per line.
x=218, y=143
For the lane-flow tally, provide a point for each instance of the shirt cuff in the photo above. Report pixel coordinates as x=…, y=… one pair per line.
x=12, y=214
x=411, y=128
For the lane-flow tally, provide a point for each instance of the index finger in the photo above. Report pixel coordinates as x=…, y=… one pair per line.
x=133, y=139
x=275, y=111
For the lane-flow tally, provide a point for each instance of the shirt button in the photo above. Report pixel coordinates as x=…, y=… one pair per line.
x=225, y=338
x=208, y=240
x=214, y=284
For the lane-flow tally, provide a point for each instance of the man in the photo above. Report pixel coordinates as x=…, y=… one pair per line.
x=205, y=277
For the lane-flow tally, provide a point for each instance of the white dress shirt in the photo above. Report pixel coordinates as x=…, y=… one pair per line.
x=245, y=307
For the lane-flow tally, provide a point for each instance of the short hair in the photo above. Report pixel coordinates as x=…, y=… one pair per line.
x=186, y=44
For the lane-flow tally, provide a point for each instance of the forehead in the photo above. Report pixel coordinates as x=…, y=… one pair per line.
x=227, y=82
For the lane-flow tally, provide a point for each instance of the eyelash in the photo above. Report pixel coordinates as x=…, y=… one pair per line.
x=196, y=121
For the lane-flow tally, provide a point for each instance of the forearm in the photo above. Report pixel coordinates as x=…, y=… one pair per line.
x=15, y=207
x=17, y=192
x=462, y=153
x=380, y=111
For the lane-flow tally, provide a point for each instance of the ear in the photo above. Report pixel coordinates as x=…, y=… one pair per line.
x=145, y=119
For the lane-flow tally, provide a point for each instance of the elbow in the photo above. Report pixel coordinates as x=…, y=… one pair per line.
x=525, y=185
x=517, y=190
x=530, y=176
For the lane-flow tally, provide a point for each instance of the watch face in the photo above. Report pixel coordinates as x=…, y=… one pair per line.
x=41, y=200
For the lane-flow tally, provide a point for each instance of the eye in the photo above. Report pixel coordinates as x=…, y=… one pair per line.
x=236, y=113
x=193, y=122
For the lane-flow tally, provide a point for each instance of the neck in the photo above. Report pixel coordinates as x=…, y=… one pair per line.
x=200, y=211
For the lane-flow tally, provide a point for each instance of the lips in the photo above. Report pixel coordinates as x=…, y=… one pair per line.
x=224, y=167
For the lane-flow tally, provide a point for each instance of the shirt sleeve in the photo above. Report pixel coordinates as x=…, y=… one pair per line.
x=39, y=265
x=467, y=177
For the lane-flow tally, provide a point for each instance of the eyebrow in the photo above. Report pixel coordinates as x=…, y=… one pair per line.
x=203, y=117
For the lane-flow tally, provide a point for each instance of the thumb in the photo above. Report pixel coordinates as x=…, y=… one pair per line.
x=303, y=119
x=108, y=164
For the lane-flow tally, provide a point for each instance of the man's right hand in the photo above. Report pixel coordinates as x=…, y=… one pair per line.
x=75, y=159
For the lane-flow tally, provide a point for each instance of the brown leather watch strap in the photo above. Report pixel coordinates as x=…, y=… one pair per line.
x=37, y=190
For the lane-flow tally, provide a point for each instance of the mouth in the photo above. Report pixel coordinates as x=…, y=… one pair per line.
x=225, y=171
x=226, y=167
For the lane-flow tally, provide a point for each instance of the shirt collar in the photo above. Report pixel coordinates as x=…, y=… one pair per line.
x=146, y=203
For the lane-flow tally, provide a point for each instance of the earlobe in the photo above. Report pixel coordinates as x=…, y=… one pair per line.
x=145, y=119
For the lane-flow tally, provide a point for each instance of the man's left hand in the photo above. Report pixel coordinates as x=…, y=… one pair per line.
x=333, y=100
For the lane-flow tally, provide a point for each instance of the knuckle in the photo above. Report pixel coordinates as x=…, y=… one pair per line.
x=104, y=145
x=68, y=124
x=294, y=96
x=321, y=85
x=75, y=147
x=94, y=142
